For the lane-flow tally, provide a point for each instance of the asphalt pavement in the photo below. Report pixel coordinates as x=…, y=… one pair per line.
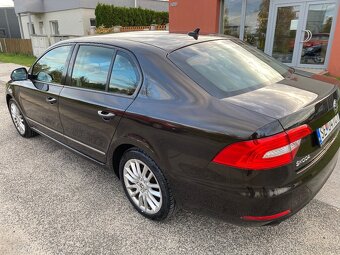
x=53, y=201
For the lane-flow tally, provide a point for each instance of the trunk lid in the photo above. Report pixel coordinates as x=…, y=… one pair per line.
x=294, y=102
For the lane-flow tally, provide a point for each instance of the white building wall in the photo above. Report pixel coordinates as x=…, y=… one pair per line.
x=74, y=22
x=24, y=21
x=87, y=15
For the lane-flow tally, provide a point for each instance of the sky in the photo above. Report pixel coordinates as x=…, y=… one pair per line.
x=6, y=3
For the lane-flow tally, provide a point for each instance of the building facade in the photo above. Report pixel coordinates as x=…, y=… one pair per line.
x=9, y=25
x=299, y=33
x=68, y=18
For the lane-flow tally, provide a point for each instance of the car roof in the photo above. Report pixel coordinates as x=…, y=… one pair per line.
x=160, y=39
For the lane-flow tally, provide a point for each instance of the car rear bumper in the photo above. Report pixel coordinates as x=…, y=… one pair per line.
x=239, y=199
x=294, y=197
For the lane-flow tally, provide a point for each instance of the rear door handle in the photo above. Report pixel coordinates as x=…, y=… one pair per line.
x=51, y=100
x=106, y=115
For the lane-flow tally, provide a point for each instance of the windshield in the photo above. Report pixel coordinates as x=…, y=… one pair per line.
x=224, y=67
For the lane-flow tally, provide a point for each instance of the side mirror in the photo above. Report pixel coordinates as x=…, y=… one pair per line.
x=19, y=74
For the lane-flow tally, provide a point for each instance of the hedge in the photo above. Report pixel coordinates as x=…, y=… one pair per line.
x=110, y=15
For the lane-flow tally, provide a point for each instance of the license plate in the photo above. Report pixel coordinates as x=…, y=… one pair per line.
x=324, y=131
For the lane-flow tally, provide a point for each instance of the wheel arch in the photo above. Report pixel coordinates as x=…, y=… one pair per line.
x=117, y=156
x=119, y=147
x=8, y=97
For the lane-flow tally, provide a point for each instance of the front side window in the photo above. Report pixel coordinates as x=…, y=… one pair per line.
x=51, y=66
x=124, y=76
x=91, y=67
x=225, y=68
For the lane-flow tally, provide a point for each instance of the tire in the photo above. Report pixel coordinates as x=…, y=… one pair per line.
x=19, y=121
x=152, y=196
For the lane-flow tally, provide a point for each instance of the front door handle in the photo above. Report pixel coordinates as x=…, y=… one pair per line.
x=51, y=100
x=106, y=115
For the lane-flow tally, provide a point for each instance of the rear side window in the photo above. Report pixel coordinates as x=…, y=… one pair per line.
x=224, y=68
x=91, y=67
x=51, y=66
x=124, y=77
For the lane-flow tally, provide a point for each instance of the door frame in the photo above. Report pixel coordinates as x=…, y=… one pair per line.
x=331, y=34
x=273, y=8
x=304, y=5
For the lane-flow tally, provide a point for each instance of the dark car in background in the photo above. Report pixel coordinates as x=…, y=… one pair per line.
x=209, y=124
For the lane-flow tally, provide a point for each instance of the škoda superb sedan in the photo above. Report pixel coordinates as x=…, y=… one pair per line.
x=209, y=124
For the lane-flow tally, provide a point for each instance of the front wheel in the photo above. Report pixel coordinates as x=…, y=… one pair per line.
x=145, y=185
x=19, y=121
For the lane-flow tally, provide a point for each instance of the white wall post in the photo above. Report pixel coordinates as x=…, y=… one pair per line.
x=30, y=30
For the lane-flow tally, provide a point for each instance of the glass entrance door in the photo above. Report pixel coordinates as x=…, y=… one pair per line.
x=300, y=32
x=319, y=21
x=285, y=33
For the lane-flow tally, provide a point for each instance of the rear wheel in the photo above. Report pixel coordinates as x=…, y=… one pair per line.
x=19, y=121
x=145, y=185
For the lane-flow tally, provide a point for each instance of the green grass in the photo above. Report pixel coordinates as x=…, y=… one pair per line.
x=19, y=59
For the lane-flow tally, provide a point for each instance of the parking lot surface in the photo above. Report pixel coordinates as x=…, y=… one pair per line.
x=53, y=201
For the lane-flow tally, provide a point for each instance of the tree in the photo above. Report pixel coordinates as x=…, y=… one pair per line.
x=262, y=19
x=326, y=28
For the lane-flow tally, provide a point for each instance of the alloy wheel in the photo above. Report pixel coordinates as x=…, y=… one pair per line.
x=142, y=186
x=18, y=119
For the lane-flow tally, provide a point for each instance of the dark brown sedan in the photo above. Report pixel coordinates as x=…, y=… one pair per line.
x=209, y=124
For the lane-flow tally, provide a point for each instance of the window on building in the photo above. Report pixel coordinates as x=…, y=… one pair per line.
x=256, y=22
x=232, y=13
x=31, y=30
x=41, y=28
x=124, y=76
x=2, y=33
x=246, y=20
x=92, y=22
x=54, y=27
x=91, y=67
x=51, y=66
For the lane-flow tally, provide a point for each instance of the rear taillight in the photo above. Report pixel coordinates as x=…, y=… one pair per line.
x=264, y=153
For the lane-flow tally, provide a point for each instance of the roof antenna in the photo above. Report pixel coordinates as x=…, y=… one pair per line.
x=194, y=33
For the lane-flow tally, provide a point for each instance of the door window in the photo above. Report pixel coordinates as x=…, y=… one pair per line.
x=91, y=67
x=51, y=66
x=319, y=24
x=285, y=33
x=124, y=76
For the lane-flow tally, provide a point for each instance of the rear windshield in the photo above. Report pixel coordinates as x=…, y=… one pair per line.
x=224, y=67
